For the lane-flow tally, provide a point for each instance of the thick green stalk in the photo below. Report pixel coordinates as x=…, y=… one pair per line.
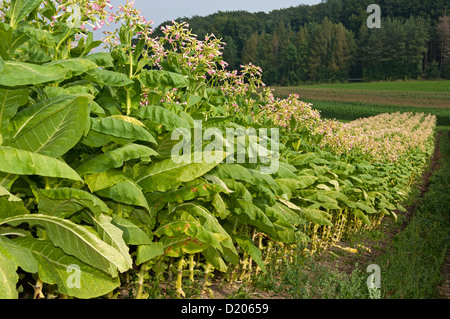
x=208, y=270
x=191, y=267
x=180, y=291
x=141, y=282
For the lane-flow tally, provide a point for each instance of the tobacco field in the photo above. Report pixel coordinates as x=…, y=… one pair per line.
x=91, y=199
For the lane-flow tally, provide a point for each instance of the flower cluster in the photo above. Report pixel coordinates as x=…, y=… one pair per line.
x=383, y=138
x=82, y=13
x=130, y=16
x=284, y=112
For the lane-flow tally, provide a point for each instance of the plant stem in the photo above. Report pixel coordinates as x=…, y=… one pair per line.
x=141, y=282
x=208, y=269
x=191, y=267
x=38, y=289
x=180, y=291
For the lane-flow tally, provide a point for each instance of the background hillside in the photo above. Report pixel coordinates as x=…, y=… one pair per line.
x=331, y=42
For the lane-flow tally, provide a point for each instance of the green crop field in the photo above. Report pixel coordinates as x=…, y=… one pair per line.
x=413, y=86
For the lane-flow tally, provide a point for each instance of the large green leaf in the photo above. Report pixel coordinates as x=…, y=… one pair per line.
x=63, y=202
x=214, y=258
x=186, y=193
x=106, y=77
x=126, y=192
x=51, y=127
x=15, y=161
x=209, y=221
x=77, y=66
x=132, y=234
x=116, y=158
x=19, y=9
x=76, y=240
x=102, y=59
x=19, y=255
x=72, y=276
x=111, y=235
x=161, y=116
x=21, y=74
x=191, y=228
x=8, y=278
x=181, y=244
x=249, y=247
x=253, y=215
x=10, y=101
x=97, y=182
x=167, y=174
x=317, y=216
x=10, y=205
x=148, y=252
x=118, y=130
x=159, y=78
x=233, y=171
x=42, y=37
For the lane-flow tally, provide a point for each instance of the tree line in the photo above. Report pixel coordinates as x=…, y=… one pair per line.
x=331, y=41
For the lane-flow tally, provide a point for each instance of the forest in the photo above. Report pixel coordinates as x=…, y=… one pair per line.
x=331, y=42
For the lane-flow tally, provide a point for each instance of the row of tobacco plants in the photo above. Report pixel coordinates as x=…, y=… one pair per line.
x=91, y=199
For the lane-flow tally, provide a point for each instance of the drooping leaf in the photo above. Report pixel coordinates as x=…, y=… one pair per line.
x=317, y=216
x=76, y=66
x=118, y=130
x=10, y=101
x=97, y=182
x=42, y=37
x=15, y=161
x=180, y=245
x=64, y=201
x=214, y=258
x=102, y=59
x=22, y=74
x=51, y=127
x=167, y=174
x=148, y=252
x=106, y=77
x=126, y=192
x=76, y=240
x=72, y=276
x=20, y=9
x=186, y=193
x=10, y=205
x=20, y=256
x=161, y=116
x=8, y=278
x=209, y=221
x=132, y=234
x=111, y=235
x=160, y=78
x=191, y=228
x=233, y=171
x=249, y=247
x=360, y=215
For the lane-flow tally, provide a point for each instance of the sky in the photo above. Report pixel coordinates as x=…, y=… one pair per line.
x=160, y=11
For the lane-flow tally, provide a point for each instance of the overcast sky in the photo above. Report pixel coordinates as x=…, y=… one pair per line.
x=164, y=10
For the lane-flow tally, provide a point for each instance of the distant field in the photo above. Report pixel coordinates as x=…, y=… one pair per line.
x=414, y=86
x=355, y=100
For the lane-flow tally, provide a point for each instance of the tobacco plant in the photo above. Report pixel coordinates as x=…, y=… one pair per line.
x=90, y=195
